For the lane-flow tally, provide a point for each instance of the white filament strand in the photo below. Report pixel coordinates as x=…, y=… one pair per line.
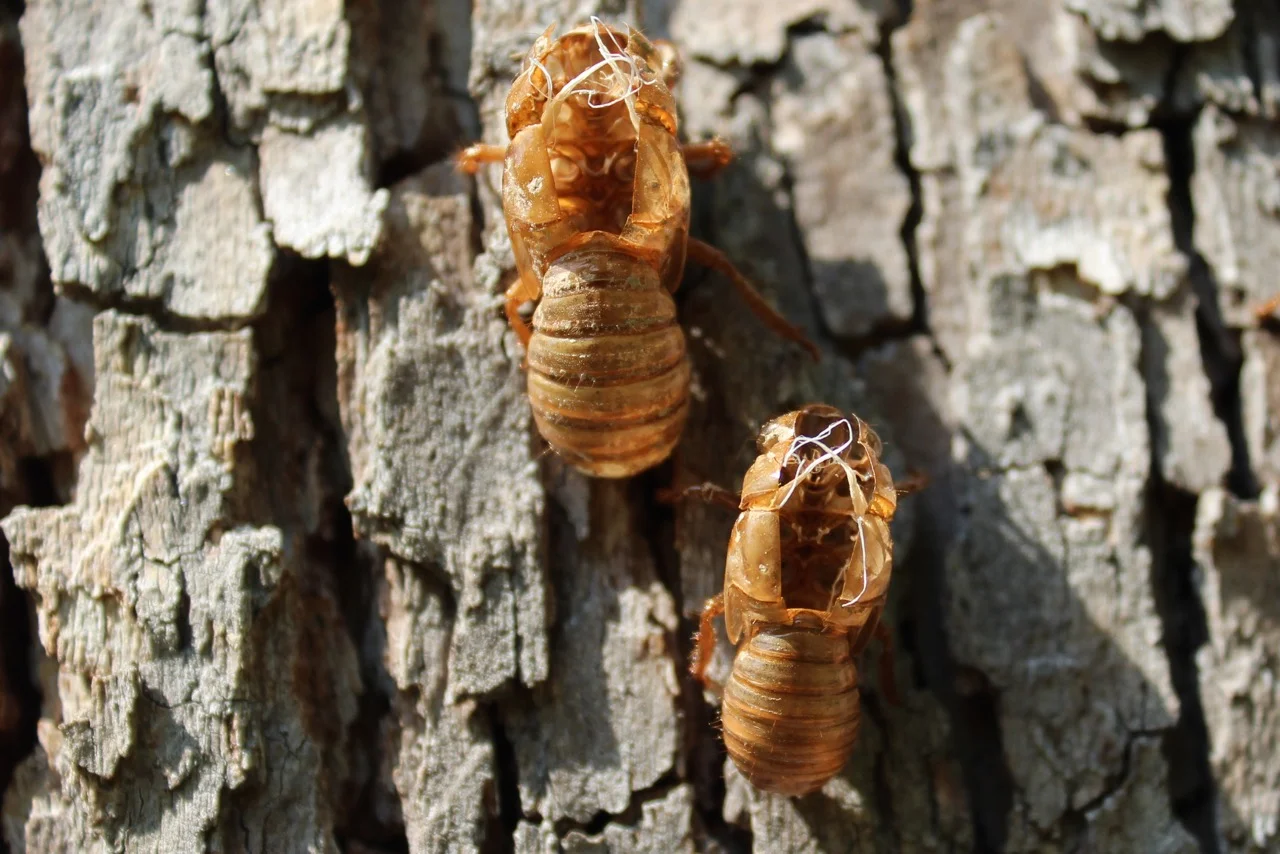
x=833, y=454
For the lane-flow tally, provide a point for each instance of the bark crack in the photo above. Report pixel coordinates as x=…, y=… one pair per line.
x=153, y=308
x=500, y=838
x=1220, y=348
x=902, y=156
x=1171, y=514
x=40, y=477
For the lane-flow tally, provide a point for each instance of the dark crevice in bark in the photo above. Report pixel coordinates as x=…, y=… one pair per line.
x=500, y=835
x=656, y=521
x=401, y=165
x=902, y=157
x=38, y=481
x=1076, y=821
x=19, y=167
x=1172, y=511
x=440, y=138
x=1192, y=790
x=44, y=480
x=19, y=696
x=372, y=844
x=355, y=568
x=156, y=310
x=221, y=118
x=761, y=76
x=1103, y=126
x=1171, y=514
x=1186, y=746
x=974, y=710
x=1248, y=28
x=631, y=816
x=351, y=569
x=301, y=476
x=1220, y=348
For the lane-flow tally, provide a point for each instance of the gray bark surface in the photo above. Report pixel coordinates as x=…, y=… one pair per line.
x=289, y=570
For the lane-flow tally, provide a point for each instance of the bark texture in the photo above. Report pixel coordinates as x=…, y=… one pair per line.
x=288, y=570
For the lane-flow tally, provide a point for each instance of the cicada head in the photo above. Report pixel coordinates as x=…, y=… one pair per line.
x=820, y=457
x=590, y=69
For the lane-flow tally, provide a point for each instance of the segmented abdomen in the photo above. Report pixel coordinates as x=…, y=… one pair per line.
x=790, y=711
x=607, y=369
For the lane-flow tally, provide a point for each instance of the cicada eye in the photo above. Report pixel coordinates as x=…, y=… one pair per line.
x=771, y=434
x=639, y=45
x=668, y=63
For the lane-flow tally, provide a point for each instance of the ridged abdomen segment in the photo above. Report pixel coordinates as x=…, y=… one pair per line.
x=790, y=711
x=608, y=372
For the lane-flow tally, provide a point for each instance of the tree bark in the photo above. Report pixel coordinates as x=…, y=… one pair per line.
x=294, y=573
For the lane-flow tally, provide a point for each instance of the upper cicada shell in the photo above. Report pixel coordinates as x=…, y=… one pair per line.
x=595, y=192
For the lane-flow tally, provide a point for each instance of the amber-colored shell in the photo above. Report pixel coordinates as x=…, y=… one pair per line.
x=596, y=197
x=790, y=711
x=608, y=374
x=805, y=583
x=595, y=194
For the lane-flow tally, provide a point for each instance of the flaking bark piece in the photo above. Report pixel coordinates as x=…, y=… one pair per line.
x=138, y=198
x=1237, y=546
x=606, y=726
x=194, y=665
x=444, y=472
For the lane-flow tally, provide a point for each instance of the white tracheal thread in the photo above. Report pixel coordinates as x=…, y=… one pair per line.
x=855, y=492
x=634, y=81
x=611, y=59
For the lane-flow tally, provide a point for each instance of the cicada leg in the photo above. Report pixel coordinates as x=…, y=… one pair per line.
x=914, y=482
x=471, y=158
x=705, y=642
x=709, y=256
x=705, y=159
x=521, y=292
x=710, y=493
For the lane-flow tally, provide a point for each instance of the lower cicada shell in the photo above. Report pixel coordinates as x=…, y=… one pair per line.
x=595, y=192
x=804, y=587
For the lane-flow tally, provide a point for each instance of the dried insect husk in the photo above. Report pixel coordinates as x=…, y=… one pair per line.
x=806, y=579
x=596, y=198
x=790, y=711
x=608, y=374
